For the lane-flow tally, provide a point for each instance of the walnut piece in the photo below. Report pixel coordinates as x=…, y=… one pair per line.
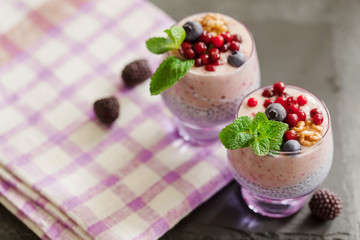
x=308, y=133
x=213, y=23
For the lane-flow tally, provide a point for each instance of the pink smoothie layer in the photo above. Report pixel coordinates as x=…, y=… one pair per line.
x=208, y=98
x=279, y=175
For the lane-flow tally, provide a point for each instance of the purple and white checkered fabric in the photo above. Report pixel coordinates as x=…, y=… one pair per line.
x=64, y=174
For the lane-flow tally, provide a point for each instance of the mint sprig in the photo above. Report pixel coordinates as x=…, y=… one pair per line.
x=260, y=134
x=160, y=45
x=172, y=68
x=168, y=73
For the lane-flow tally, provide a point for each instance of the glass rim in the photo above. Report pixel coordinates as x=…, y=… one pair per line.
x=247, y=60
x=275, y=152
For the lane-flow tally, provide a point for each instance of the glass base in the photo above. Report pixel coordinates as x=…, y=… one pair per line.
x=197, y=135
x=275, y=208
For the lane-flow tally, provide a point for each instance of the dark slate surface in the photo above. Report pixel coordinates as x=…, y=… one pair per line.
x=311, y=44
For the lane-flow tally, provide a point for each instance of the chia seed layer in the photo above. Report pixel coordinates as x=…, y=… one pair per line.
x=310, y=183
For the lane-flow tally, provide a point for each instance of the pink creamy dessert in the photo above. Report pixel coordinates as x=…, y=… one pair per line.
x=205, y=98
x=278, y=174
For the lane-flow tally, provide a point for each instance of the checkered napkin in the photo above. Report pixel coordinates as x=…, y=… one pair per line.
x=62, y=172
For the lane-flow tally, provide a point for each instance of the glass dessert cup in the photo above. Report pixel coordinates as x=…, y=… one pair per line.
x=204, y=102
x=277, y=184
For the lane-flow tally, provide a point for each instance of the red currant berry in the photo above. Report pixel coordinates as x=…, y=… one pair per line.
x=318, y=118
x=210, y=68
x=279, y=87
x=302, y=100
x=227, y=37
x=214, y=54
x=293, y=107
x=292, y=119
x=252, y=102
x=189, y=53
x=199, y=48
x=290, y=100
x=218, y=41
x=205, y=37
x=234, y=46
x=267, y=93
x=198, y=62
x=216, y=63
x=204, y=59
x=267, y=102
x=186, y=45
x=281, y=100
x=290, y=135
x=238, y=38
x=224, y=47
x=314, y=111
x=302, y=115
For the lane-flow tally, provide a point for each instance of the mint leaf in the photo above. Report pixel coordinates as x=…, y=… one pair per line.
x=276, y=129
x=275, y=133
x=260, y=146
x=176, y=34
x=260, y=134
x=260, y=122
x=237, y=135
x=159, y=45
x=168, y=73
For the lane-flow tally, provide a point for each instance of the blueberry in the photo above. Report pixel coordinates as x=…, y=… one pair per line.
x=291, y=146
x=275, y=112
x=193, y=30
x=236, y=59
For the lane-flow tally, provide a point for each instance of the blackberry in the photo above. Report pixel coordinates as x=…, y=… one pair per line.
x=325, y=204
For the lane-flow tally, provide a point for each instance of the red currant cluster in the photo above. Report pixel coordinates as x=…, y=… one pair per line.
x=207, y=48
x=292, y=105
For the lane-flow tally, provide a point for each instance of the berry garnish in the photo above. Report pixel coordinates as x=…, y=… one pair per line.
x=267, y=102
x=302, y=115
x=290, y=135
x=193, y=30
x=234, y=46
x=205, y=37
x=290, y=100
x=218, y=41
x=325, y=204
x=302, y=100
x=216, y=63
x=267, y=93
x=204, y=59
x=279, y=87
x=291, y=146
x=318, y=118
x=281, y=100
x=275, y=112
x=107, y=109
x=252, y=102
x=227, y=37
x=214, y=54
x=236, y=59
x=186, y=45
x=237, y=38
x=210, y=68
x=199, y=48
x=136, y=72
x=224, y=47
x=189, y=53
x=292, y=119
x=293, y=107
x=314, y=111
x=198, y=62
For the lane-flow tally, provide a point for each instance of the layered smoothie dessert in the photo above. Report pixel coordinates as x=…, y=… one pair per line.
x=225, y=69
x=277, y=182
